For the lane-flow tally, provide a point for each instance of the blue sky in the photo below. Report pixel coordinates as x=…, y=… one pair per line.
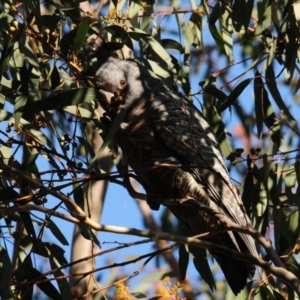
x=120, y=209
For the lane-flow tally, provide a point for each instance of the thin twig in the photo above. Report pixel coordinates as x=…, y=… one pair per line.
x=279, y=272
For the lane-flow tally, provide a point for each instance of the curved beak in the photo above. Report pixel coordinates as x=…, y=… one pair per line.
x=105, y=99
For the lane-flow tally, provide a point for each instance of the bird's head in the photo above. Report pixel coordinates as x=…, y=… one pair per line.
x=122, y=83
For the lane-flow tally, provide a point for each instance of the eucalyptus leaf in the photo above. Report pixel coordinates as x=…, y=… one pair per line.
x=67, y=98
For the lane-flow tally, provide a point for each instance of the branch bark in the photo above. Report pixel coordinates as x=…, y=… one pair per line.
x=279, y=272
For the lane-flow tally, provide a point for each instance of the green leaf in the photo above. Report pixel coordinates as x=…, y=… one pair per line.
x=120, y=34
x=277, y=219
x=290, y=177
x=262, y=204
x=139, y=295
x=87, y=146
x=20, y=103
x=57, y=260
x=234, y=94
x=218, y=127
x=57, y=232
x=293, y=266
x=158, y=276
x=278, y=296
x=8, y=193
x=5, y=115
x=28, y=223
x=34, y=84
x=88, y=234
x=183, y=261
x=18, y=58
x=225, y=101
x=109, y=136
x=162, y=54
x=71, y=97
x=67, y=41
x=264, y=17
x=28, y=51
x=261, y=102
x=78, y=195
x=54, y=251
x=216, y=12
x=226, y=31
x=195, y=25
x=54, y=75
x=273, y=88
x=158, y=70
x=241, y=14
x=62, y=282
x=248, y=192
x=138, y=35
x=29, y=159
x=6, y=268
x=7, y=52
x=188, y=35
x=259, y=95
x=202, y=266
x=87, y=112
x=47, y=287
x=134, y=10
x=148, y=19
x=265, y=111
x=113, y=46
x=288, y=231
x=266, y=292
x=81, y=33
x=171, y=44
x=32, y=130
x=272, y=46
x=217, y=37
x=25, y=240
x=215, y=92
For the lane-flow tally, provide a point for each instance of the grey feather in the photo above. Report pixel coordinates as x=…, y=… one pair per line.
x=172, y=149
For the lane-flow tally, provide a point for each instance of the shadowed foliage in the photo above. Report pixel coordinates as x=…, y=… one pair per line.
x=237, y=61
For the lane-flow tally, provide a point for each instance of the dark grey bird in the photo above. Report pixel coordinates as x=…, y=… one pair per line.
x=173, y=151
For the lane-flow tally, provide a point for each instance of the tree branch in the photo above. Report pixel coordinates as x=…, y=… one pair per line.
x=279, y=272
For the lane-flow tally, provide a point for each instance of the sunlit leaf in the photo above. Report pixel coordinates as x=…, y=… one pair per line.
x=28, y=51
x=217, y=37
x=264, y=16
x=157, y=276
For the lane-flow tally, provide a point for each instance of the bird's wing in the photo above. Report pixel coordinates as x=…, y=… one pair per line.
x=185, y=131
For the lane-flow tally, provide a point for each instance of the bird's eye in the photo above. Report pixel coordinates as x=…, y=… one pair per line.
x=122, y=82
